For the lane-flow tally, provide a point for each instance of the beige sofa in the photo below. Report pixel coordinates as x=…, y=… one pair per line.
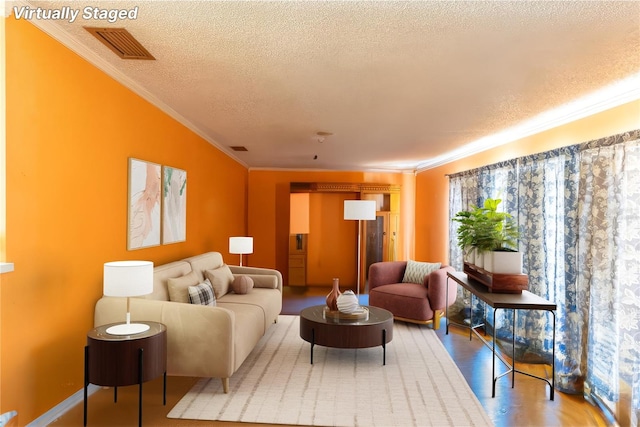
x=204, y=341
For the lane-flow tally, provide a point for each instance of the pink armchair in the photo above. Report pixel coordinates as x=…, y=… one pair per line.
x=410, y=302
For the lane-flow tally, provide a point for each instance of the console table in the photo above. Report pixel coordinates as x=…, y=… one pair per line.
x=524, y=301
x=121, y=360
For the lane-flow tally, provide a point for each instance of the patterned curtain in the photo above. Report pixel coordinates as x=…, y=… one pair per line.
x=609, y=259
x=463, y=192
x=547, y=209
x=578, y=211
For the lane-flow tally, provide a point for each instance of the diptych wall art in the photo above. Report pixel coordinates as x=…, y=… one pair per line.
x=144, y=204
x=174, y=205
x=157, y=205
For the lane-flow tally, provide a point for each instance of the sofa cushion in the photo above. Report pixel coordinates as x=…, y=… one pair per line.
x=202, y=294
x=268, y=301
x=242, y=284
x=416, y=272
x=221, y=279
x=179, y=287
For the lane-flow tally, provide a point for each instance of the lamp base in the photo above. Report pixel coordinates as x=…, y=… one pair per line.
x=128, y=329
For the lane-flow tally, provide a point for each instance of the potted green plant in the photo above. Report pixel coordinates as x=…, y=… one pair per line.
x=493, y=237
x=500, y=241
x=467, y=232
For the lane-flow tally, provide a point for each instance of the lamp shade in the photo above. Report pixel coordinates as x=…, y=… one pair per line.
x=128, y=278
x=360, y=209
x=241, y=245
x=299, y=213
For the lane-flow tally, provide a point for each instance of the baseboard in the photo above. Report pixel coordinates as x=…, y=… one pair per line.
x=61, y=408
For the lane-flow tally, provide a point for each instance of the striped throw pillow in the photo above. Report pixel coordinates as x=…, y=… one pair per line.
x=417, y=271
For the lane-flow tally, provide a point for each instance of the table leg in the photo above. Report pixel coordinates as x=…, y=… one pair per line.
x=164, y=389
x=140, y=352
x=384, y=347
x=446, y=307
x=513, y=348
x=553, y=358
x=86, y=380
x=470, y=317
x=493, y=359
x=313, y=342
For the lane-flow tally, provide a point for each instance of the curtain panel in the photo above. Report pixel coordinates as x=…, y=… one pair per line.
x=578, y=212
x=609, y=259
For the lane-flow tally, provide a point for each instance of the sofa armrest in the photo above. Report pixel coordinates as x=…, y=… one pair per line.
x=386, y=272
x=253, y=272
x=437, y=288
x=199, y=338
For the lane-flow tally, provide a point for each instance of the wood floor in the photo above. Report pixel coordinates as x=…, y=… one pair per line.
x=527, y=404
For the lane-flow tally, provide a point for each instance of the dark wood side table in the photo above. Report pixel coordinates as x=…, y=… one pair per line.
x=121, y=360
x=376, y=330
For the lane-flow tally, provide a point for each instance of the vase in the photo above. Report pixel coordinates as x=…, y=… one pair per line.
x=348, y=302
x=332, y=297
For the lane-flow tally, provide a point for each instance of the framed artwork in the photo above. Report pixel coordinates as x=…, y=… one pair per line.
x=143, y=222
x=174, y=205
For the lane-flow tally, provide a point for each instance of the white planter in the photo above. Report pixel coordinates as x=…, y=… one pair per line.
x=503, y=262
x=470, y=256
x=479, y=261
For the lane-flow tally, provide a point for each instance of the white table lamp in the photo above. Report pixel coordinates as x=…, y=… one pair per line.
x=241, y=246
x=359, y=210
x=128, y=279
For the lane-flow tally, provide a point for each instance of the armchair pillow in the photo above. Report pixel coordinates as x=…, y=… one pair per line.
x=416, y=272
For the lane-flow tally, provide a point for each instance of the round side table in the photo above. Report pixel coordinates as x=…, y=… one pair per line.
x=121, y=360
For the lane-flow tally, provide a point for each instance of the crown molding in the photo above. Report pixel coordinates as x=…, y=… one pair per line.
x=615, y=95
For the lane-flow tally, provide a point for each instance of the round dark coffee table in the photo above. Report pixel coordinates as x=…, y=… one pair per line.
x=316, y=328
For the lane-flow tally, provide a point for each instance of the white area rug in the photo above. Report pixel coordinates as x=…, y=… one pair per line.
x=419, y=386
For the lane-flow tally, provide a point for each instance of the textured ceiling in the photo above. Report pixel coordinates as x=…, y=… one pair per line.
x=397, y=83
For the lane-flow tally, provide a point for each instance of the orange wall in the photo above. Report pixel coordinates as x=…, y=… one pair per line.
x=269, y=213
x=432, y=186
x=70, y=132
x=332, y=250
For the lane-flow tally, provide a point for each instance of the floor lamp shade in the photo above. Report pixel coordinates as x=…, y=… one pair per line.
x=241, y=246
x=127, y=279
x=360, y=209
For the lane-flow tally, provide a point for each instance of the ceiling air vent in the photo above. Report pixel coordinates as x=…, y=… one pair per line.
x=238, y=148
x=120, y=42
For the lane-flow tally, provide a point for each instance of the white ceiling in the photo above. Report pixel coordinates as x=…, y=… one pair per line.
x=401, y=85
